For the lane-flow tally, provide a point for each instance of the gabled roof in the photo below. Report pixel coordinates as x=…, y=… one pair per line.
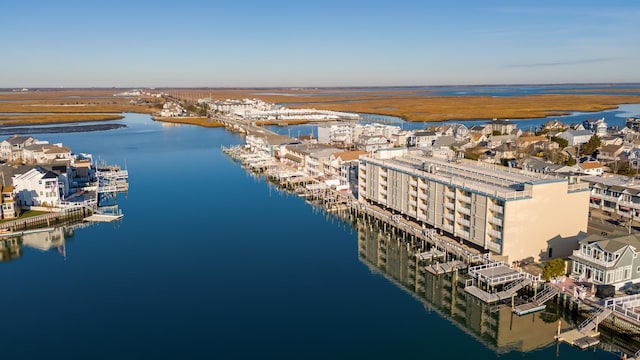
x=16, y=139
x=613, y=244
x=350, y=155
x=590, y=165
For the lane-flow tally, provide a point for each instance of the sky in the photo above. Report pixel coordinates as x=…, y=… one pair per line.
x=306, y=43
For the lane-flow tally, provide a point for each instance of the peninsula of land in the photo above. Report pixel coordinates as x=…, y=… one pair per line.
x=28, y=106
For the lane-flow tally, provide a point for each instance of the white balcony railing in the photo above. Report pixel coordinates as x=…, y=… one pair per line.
x=495, y=233
x=466, y=199
x=464, y=222
x=450, y=206
x=587, y=258
x=463, y=210
x=495, y=221
x=450, y=194
x=449, y=217
x=496, y=208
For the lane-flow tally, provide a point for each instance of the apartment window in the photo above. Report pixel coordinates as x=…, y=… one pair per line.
x=638, y=269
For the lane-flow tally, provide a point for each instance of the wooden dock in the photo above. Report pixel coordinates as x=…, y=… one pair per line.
x=579, y=339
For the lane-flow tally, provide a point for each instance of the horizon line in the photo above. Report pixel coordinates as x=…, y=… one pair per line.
x=322, y=87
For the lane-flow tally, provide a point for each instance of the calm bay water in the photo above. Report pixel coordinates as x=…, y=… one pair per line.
x=210, y=262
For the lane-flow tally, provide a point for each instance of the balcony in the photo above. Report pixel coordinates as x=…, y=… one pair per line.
x=497, y=208
x=423, y=196
x=413, y=183
x=606, y=197
x=423, y=186
x=592, y=260
x=495, y=221
x=494, y=246
x=450, y=194
x=423, y=207
x=449, y=228
x=383, y=182
x=450, y=206
x=449, y=217
x=462, y=233
x=463, y=210
x=464, y=198
x=413, y=193
x=629, y=204
x=495, y=233
x=464, y=222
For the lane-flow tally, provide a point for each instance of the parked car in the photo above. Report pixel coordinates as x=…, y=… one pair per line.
x=633, y=289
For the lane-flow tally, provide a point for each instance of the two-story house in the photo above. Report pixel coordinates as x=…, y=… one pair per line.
x=609, y=261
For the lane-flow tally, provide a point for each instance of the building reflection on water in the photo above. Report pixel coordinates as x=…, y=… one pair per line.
x=11, y=245
x=494, y=325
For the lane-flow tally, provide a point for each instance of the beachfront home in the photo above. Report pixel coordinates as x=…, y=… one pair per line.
x=37, y=187
x=607, y=260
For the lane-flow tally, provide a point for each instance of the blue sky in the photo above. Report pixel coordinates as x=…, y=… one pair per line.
x=242, y=43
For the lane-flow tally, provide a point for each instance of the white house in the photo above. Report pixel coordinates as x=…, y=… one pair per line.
x=37, y=187
x=45, y=153
x=576, y=137
x=12, y=148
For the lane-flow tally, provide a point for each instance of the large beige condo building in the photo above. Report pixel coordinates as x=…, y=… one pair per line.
x=504, y=210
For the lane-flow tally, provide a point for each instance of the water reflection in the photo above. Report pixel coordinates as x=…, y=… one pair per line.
x=496, y=326
x=11, y=245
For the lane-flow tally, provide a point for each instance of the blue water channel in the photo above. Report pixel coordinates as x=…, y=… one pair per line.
x=212, y=263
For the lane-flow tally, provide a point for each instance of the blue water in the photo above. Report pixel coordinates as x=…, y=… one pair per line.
x=615, y=117
x=467, y=90
x=210, y=263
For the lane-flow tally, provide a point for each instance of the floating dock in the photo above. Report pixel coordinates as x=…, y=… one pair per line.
x=104, y=217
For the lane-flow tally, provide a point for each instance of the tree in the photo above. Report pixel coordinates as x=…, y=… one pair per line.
x=592, y=145
x=553, y=268
x=570, y=161
x=626, y=169
x=562, y=142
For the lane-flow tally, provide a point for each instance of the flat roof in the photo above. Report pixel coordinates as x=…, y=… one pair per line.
x=489, y=179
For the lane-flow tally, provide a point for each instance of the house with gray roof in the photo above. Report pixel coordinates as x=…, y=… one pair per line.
x=607, y=260
x=576, y=137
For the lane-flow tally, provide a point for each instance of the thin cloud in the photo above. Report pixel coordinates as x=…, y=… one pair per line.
x=564, y=63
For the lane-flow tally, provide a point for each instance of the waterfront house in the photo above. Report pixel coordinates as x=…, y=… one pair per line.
x=8, y=209
x=500, y=126
x=599, y=126
x=267, y=144
x=11, y=149
x=45, y=153
x=633, y=123
x=37, y=187
x=333, y=166
x=607, y=260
